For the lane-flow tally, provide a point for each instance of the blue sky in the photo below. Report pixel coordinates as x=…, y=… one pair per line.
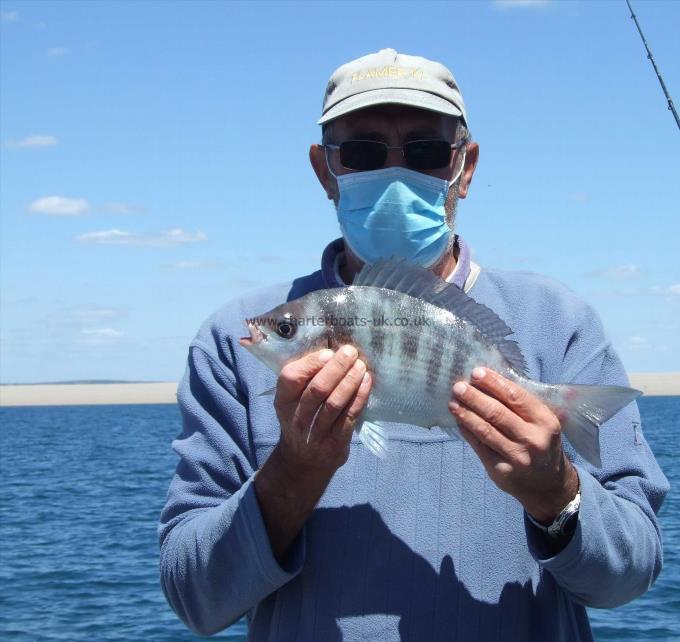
x=154, y=163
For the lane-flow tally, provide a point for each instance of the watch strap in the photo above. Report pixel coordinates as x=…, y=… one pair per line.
x=557, y=527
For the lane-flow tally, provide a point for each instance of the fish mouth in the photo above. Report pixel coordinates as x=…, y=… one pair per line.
x=256, y=336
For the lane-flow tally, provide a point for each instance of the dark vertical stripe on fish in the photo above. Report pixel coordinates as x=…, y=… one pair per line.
x=461, y=353
x=377, y=342
x=410, y=341
x=434, y=363
x=342, y=335
x=378, y=315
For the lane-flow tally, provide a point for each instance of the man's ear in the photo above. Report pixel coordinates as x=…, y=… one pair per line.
x=317, y=157
x=471, y=158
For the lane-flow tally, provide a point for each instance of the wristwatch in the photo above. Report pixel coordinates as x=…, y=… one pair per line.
x=558, y=528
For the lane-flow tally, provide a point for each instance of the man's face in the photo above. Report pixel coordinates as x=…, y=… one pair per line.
x=395, y=125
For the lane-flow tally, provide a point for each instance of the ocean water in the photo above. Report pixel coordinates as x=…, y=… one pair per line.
x=82, y=490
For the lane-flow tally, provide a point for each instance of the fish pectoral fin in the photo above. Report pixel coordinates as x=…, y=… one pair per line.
x=373, y=436
x=267, y=392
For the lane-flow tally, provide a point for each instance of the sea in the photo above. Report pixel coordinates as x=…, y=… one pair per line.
x=82, y=488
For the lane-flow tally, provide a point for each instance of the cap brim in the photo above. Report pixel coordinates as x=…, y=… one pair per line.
x=391, y=96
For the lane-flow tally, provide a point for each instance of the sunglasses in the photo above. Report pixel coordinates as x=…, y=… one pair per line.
x=364, y=155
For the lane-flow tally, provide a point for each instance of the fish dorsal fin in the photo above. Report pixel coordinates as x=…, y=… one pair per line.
x=398, y=274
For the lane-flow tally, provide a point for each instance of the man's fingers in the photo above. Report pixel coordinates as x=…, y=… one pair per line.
x=483, y=430
x=322, y=384
x=520, y=401
x=489, y=458
x=295, y=376
x=346, y=421
x=341, y=395
x=492, y=411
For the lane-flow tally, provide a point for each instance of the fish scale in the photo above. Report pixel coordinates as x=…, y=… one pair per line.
x=409, y=382
x=414, y=363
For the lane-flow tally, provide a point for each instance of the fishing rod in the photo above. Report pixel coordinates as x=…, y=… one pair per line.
x=671, y=106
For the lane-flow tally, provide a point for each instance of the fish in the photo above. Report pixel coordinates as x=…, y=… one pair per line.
x=418, y=334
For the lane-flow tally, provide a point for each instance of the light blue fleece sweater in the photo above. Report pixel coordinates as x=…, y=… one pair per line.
x=421, y=546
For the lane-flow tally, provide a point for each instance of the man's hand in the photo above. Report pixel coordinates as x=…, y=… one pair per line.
x=318, y=400
x=517, y=438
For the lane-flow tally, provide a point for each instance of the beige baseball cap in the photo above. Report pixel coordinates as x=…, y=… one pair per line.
x=391, y=77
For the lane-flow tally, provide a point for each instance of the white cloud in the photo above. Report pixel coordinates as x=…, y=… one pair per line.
x=668, y=291
x=172, y=237
x=638, y=342
x=103, y=333
x=63, y=206
x=59, y=206
x=178, y=235
x=193, y=265
x=108, y=236
x=9, y=16
x=99, y=336
x=88, y=314
x=122, y=208
x=619, y=272
x=518, y=4
x=35, y=140
x=72, y=320
x=56, y=51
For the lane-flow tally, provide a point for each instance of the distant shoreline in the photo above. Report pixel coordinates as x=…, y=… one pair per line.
x=77, y=394
x=87, y=394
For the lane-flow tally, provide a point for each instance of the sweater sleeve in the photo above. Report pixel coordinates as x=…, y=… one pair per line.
x=615, y=552
x=216, y=561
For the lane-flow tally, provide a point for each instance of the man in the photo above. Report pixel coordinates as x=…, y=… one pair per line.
x=507, y=535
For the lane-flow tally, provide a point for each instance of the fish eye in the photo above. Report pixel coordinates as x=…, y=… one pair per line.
x=286, y=327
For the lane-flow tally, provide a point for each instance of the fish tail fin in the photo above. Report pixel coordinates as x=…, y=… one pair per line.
x=585, y=409
x=374, y=437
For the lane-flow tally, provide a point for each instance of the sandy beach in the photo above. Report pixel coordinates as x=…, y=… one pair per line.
x=88, y=394
x=660, y=383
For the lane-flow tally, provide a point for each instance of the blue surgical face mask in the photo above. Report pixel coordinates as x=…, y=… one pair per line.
x=395, y=210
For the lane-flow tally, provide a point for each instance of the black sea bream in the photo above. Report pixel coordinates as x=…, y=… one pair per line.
x=418, y=335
